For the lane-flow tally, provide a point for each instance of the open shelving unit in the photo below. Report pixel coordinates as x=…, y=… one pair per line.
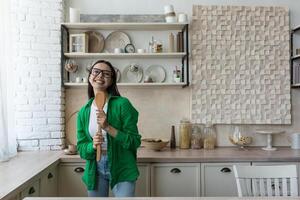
x=184, y=56
x=294, y=58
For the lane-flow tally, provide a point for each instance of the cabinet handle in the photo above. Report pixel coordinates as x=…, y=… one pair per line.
x=31, y=191
x=273, y=187
x=78, y=170
x=225, y=170
x=50, y=175
x=175, y=170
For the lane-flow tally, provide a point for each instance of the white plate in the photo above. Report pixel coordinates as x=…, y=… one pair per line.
x=116, y=39
x=157, y=73
x=129, y=76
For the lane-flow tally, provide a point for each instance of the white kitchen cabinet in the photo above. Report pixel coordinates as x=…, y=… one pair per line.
x=32, y=190
x=69, y=180
x=142, y=188
x=49, y=181
x=218, y=179
x=175, y=179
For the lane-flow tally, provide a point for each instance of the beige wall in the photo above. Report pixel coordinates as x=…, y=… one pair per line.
x=161, y=107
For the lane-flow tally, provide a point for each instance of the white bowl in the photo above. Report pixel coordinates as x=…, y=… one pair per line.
x=171, y=19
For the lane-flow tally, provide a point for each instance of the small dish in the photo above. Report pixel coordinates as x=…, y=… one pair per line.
x=154, y=143
x=67, y=152
x=157, y=73
x=132, y=76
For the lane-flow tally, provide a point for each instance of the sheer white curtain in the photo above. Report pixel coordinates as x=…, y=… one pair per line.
x=8, y=146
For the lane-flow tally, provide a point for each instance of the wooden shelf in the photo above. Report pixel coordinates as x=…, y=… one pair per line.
x=71, y=84
x=125, y=55
x=125, y=26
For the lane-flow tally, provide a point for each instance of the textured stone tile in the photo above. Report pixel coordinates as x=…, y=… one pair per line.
x=240, y=64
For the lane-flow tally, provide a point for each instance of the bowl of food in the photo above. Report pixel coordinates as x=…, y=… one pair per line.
x=239, y=138
x=154, y=143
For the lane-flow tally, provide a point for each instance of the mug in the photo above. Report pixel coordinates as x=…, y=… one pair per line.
x=78, y=79
x=117, y=50
x=295, y=140
x=182, y=18
x=140, y=50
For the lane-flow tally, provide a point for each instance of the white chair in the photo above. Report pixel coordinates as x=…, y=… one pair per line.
x=266, y=180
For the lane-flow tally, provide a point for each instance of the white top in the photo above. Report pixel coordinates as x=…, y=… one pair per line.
x=93, y=126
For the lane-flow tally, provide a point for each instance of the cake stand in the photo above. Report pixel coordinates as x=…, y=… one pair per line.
x=269, y=134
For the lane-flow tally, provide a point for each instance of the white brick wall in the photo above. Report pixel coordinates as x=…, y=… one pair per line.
x=39, y=110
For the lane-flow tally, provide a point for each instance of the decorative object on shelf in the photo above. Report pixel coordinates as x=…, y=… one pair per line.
x=297, y=52
x=116, y=39
x=78, y=79
x=157, y=73
x=132, y=73
x=157, y=47
x=118, y=50
x=154, y=143
x=84, y=80
x=182, y=18
x=171, y=43
x=269, y=134
x=96, y=42
x=74, y=15
x=150, y=47
x=239, y=138
x=170, y=15
x=177, y=75
x=71, y=66
x=141, y=51
x=179, y=39
x=129, y=48
x=79, y=43
x=294, y=139
x=148, y=79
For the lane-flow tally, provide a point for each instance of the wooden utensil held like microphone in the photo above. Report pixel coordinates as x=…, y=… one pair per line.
x=100, y=101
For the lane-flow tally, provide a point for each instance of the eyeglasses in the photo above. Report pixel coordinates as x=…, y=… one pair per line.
x=105, y=73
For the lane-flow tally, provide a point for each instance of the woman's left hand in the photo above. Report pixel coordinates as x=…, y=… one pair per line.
x=101, y=119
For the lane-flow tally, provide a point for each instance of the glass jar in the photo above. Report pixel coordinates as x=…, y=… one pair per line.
x=209, y=136
x=184, y=134
x=196, y=140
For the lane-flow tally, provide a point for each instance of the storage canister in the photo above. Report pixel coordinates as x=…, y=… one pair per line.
x=184, y=134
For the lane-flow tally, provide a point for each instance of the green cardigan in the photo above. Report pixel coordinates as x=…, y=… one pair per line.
x=121, y=150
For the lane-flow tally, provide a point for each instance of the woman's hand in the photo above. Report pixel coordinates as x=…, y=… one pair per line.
x=101, y=119
x=97, y=140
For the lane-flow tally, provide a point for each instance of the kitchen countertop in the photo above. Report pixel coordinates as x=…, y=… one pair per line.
x=19, y=170
x=163, y=198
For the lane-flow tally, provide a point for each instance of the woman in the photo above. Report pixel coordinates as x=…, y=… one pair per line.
x=119, y=140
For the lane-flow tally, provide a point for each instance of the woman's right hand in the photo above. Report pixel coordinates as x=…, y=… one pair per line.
x=97, y=140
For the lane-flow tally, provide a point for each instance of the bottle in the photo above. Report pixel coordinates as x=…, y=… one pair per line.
x=209, y=134
x=184, y=134
x=171, y=42
x=173, y=139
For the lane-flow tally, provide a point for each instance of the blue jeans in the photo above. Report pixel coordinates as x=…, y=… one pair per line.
x=121, y=189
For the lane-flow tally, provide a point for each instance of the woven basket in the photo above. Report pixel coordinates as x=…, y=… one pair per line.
x=154, y=144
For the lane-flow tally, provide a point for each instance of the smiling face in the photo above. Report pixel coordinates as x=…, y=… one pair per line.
x=101, y=77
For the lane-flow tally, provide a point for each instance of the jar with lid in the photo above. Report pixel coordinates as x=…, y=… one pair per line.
x=209, y=136
x=184, y=134
x=196, y=139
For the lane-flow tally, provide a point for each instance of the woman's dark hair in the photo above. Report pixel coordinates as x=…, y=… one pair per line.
x=112, y=89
